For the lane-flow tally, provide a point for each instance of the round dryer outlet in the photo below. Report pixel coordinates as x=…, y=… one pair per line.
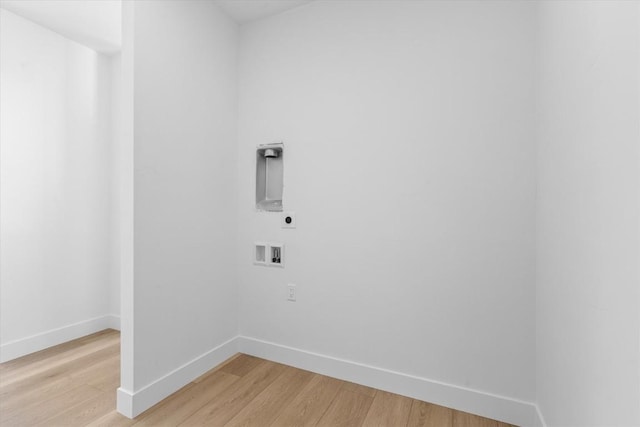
x=288, y=220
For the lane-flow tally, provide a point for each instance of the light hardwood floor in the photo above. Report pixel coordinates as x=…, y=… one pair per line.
x=74, y=384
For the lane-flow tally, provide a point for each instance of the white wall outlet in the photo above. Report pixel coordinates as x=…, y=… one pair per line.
x=288, y=220
x=275, y=257
x=291, y=293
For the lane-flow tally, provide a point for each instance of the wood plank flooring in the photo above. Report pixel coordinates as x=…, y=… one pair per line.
x=74, y=384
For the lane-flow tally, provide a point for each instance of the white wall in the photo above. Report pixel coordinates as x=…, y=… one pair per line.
x=95, y=24
x=54, y=281
x=409, y=160
x=588, y=193
x=120, y=176
x=184, y=90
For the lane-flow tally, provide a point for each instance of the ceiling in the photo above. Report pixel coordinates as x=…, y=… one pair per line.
x=93, y=23
x=97, y=23
x=243, y=11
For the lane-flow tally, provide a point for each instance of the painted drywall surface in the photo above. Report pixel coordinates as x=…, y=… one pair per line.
x=125, y=205
x=185, y=97
x=55, y=181
x=95, y=24
x=588, y=194
x=409, y=160
x=119, y=176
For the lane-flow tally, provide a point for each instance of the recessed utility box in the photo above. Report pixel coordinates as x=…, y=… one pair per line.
x=260, y=253
x=276, y=255
x=268, y=254
x=269, y=177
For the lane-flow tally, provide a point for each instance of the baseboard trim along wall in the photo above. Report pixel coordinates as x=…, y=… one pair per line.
x=513, y=411
x=21, y=347
x=131, y=404
x=489, y=405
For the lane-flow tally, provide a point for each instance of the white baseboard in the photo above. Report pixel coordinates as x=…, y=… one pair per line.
x=124, y=403
x=501, y=408
x=24, y=346
x=132, y=404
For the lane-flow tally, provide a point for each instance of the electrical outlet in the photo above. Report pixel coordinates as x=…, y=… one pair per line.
x=288, y=220
x=291, y=293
